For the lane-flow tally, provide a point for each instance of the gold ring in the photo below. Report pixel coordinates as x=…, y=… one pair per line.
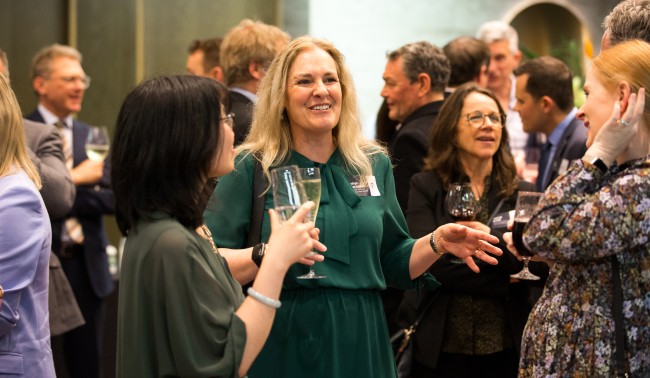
x=477, y=251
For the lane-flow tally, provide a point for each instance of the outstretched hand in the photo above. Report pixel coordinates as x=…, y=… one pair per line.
x=617, y=134
x=466, y=243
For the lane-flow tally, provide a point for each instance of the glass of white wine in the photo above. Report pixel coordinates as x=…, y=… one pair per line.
x=97, y=143
x=311, y=182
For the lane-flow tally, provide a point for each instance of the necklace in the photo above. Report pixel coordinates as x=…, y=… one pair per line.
x=207, y=235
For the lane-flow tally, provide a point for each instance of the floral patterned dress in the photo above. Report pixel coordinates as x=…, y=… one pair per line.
x=585, y=218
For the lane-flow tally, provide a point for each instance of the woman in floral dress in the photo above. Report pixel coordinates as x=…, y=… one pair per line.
x=594, y=216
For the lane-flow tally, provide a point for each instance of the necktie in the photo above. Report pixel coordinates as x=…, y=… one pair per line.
x=543, y=163
x=73, y=233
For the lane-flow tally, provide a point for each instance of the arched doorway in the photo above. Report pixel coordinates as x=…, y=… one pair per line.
x=547, y=28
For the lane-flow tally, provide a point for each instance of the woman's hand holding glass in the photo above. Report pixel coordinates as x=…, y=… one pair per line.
x=291, y=240
x=467, y=243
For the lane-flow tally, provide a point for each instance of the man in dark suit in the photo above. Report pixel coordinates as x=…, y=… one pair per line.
x=246, y=52
x=545, y=104
x=60, y=82
x=415, y=78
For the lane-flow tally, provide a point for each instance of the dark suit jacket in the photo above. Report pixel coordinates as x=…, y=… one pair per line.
x=242, y=107
x=409, y=147
x=91, y=203
x=46, y=152
x=427, y=211
x=571, y=147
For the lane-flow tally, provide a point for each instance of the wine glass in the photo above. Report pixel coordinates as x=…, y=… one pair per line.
x=97, y=143
x=461, y=202
x=524, y=210
x=312, y=183
x=289, y=192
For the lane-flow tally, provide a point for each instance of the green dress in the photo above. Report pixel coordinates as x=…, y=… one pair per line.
x=331, y=327
x=176, y=306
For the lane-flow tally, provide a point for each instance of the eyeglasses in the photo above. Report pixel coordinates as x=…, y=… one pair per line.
x=477, y=119
x=84, y=80
x=228, y=120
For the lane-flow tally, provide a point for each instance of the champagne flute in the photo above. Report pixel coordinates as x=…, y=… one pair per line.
x=312, y=183
x=461, y=202
x=524, y=210
x=97, y=143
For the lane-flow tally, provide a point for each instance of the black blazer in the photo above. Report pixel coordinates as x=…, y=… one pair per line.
x=571, y=147
x=91, y=203
x=242, y=107
x=409, y=146
x=427, y=210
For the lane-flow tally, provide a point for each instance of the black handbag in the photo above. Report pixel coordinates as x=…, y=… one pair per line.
x=401, y=342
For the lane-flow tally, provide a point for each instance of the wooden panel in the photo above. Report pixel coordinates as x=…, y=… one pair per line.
x=25, y=27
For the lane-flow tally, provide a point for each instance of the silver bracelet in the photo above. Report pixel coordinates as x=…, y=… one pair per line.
x=434, y=246
x=264, y=299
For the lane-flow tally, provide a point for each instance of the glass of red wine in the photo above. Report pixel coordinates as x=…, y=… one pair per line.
x=461, y=202
x=524, y=210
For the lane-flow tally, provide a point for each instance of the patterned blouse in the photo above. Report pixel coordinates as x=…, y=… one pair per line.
x=585, y=218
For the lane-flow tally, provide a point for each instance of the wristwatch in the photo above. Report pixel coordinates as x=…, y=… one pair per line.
x=258, y=253
x=599, y=163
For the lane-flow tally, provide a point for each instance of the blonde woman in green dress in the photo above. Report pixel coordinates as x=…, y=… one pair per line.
x=331, y=327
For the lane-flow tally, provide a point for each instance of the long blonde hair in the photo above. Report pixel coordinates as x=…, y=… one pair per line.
x=270, y=135
x=13, y=148
x=627, y=61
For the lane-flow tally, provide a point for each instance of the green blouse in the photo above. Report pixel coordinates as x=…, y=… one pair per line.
x=176, y=306
x=331, y=327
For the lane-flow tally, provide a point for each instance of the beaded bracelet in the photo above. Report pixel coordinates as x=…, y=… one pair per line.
x=433, y=245
x=264, y=299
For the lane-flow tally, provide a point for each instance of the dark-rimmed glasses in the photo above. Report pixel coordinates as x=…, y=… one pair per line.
x=477, y=119
x=228, y=120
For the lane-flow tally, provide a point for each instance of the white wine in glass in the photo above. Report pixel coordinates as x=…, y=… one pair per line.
x=312, y=183
x=97, y=143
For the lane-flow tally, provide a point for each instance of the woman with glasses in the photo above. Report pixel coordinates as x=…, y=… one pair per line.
x=473, y=327
x=181, y=312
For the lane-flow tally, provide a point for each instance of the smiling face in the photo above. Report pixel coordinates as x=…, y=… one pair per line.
x=314, y=93
x=598, y=105
x=477, y=143
x=62, y=91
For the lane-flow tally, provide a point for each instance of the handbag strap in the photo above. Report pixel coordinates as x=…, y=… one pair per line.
x=257, y=209
x=617, y=312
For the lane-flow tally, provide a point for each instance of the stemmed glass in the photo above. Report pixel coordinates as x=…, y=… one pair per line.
x=97, y=143
x=289, y=192
x=526, y=205
x=312, y=183
x=461, y=202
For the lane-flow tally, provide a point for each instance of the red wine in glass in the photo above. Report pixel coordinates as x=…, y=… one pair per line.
x=462, y=214
x=524, y=210
x=517, y=238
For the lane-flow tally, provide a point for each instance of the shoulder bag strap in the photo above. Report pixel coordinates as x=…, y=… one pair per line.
x=257, y=208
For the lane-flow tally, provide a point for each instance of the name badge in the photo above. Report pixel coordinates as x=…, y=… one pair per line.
x=369, y=189
x=500, y=221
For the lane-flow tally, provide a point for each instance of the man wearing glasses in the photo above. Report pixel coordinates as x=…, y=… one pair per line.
x=79, y=239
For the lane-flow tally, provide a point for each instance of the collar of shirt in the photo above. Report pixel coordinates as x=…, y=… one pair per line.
x=250, y=95
x=51, y=119
x=556, y=135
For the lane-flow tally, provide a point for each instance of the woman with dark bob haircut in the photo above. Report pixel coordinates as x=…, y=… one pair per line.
x=474, y=325
x=181, y=313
